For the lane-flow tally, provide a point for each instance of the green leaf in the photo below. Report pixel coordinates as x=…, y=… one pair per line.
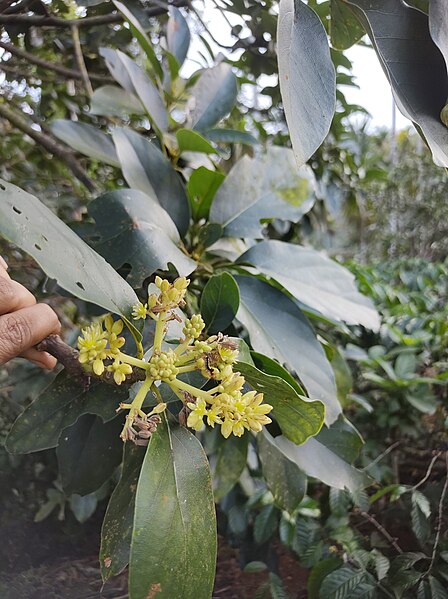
x=263, y=188
x=307, y=77
x=265, y=524
x=118, y=522
x=62, y=255
x=146, y=168
x=342, y=438
x=340, y=583
x=345, y=29
x=110, y=100
x=173, y=550
x=212, y=97
x=272, y=367
x=382, y=564
x=318, y=573
x=178, y=35
x=438, y=25
x=139, y=33
x=86, y=139
x=285, y=480
x=58, y=407
x=219, y=302
x=136, y=82
x=191, y=141
x=231, y=458
x=202, y=187
x=89, y=438
x=278, y=329
x=315, y=280
x=418, y=78
x=230, y=136
x=298, y=417
x=438, y=591
x=134, y=229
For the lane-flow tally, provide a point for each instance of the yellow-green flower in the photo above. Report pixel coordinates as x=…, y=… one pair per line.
x=139, y=311
x=120, y=371
x=92, y=344
x=198, y=411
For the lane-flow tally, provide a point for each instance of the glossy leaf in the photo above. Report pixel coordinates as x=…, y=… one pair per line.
x=146, y=168
x=307, y=77
x=58, y=407
x=173, y=550
x=413, y=64
x=315, y=280
x=231, y=458
x=285, y=480
x=191, y=141
x=263, y=188
x=135, y=81
x=86, y=139
x=272, y=367
x=345, y=29
x=116, y=533
x=219, y=302
x=110, y=100
x=230, y=136
x=298, y=417
x=140, y=34
x=202, y=187
x=277, y=328
x=63, y=256
x=178, y=35
x=89, y=438
x=134, y=229
x=212, y=97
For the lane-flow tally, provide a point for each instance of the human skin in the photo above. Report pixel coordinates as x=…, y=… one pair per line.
x=23, y=322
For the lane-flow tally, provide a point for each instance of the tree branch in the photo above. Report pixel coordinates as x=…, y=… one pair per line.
x=50, y=144
x=80, y=60
x=51, y=66
x=45, y=21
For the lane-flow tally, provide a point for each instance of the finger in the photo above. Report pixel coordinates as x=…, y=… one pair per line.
x=14, y=296
x=3, y=263
x=24, y=328
x=41, y=358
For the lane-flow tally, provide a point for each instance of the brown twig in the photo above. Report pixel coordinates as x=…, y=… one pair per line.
x=51, y=66
x=80, y=60
x=382, y=530
x=439, y=518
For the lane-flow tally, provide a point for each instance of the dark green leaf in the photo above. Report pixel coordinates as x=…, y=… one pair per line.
x=285, y=480
x=230, y=136
x=265, y=524
x=418, y=77
x=134, y=229
x=110, y=100
x=306, y=75
x=61, y=253
x=263, y=188
x=219, y=302
x=202, y=187
x=89, y=437
x=147, y=169
x=438, y=591
x=231, y=458
x=212, y=97
x=58, y=407
x=345, y=29
x=299, y=418
x=86, y=139
x=191, y=141
x=315, y=280
x=116, y=533
x=173, y=550
x=438, y=25
x=340, y=583
x=318, y=573
x=342, y=438
x=178, y=35
x=278, y=329
x=272, y=367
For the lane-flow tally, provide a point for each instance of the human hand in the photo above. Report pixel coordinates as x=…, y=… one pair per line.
x=23, y=322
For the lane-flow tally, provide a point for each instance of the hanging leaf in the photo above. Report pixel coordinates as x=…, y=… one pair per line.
x=146, y=168
x=285, y=480
x=173, y=550
x=345, y=29
x=212, y=97
x=307, y=77
x=278, y=329
x=233, y=136
x=110, y=100
x=298, y=418
x=134, y=229
x=219, y=302
x=265, y=524
x=418, y=79
x=263, y=188
x=202, y=187
x=58, y=407
x=62, y=255
x=88, y=437
x=178, y=35
x=315, y=280
x=231, y=458
x=136, y=82
x=116, y=533
x=86, y=139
